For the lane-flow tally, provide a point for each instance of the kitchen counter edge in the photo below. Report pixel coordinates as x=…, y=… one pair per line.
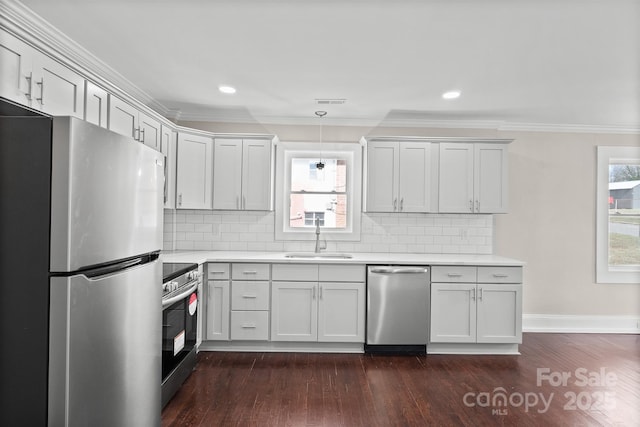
x=202, y=257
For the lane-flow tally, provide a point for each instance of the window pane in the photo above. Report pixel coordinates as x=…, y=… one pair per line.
x=305, y=175
x=624, y=215
x=330, y=209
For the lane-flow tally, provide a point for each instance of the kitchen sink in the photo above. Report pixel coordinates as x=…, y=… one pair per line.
x=322, y=255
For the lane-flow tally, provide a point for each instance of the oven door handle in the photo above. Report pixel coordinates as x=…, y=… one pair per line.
x=181, y=295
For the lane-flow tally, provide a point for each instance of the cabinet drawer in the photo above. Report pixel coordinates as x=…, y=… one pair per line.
x=250, y=295
x=217, y=271
x=499, y=274
x=295, y=272
x=250, y=271
x=453, y=274
x=342, y=273
x=250, y=325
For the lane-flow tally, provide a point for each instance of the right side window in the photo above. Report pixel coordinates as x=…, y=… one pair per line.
x=618, y=215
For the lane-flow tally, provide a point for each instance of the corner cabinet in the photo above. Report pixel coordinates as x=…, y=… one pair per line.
x=194, y=171
x=473, y=178
x=318, y=303
x=242, y=177
x=400, y=176
x=476, y=305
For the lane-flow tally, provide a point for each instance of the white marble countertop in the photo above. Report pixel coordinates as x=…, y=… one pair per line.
x=201, y=257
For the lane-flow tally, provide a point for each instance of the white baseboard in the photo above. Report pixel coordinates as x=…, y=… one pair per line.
x=560, y=323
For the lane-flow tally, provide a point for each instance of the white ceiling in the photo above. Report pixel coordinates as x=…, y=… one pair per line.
x=553, y=62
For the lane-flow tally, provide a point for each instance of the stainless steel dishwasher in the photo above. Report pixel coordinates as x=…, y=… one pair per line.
x=397, y=309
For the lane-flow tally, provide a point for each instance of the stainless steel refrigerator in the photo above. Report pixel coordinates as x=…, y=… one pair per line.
x=80, y=237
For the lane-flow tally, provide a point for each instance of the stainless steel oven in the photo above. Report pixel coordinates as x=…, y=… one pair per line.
x=179, y=325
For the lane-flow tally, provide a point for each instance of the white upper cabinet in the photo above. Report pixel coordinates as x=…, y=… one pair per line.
x=399, y=176
x=95, y=105
x=168, y=143
x=123, y=117
x=149, y=132
x=15, y=68
x=242, y=177
x=473, y=178
x=32, y=78
x=127, y=120
x=194, y=170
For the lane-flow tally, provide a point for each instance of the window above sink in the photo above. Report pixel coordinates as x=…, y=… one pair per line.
x=331, y=194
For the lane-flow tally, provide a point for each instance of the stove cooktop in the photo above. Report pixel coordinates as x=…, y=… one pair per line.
x=171, y=270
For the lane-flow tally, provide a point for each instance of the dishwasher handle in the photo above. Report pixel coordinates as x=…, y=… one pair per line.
x=399, y=270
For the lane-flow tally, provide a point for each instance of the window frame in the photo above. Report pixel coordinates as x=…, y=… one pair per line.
x=606, y=155
x=352, y=153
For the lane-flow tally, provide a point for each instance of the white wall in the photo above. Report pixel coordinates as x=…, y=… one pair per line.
x=551, y=219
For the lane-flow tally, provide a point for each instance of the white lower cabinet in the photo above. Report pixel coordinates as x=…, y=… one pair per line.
x=250, y=325
x=467, y=308
x=341, y=307
x=294, y=311
x=218, y=302
x=303, y=308
x=250, y=290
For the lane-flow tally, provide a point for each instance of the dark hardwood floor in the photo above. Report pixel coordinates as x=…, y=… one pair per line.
x=600, y=386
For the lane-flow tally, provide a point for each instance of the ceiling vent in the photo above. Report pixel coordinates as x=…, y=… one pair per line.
x=337, y=101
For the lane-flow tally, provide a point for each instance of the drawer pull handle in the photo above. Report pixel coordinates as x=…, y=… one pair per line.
x=250, y=296
x=249, y=326
x=502, y=275
x=217, y=272
x=250, y=272
x=454, y=274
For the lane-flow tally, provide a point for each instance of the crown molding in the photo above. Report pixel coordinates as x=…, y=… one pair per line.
x=32, y=29
x=569, y=128
x=25, y=24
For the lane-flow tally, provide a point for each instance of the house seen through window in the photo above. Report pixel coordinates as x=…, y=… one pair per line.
x=318, y=193
x=624, y=214
x=618, y=215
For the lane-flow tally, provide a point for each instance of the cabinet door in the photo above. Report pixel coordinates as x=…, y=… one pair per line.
x=256, y=175
x=490, y=178
x=456, y=178
x=382, y=176
x=227, y=174
x=149, y=131
x=57, y=90
x=294, y=311
x=95, y=104
x=15, y=69
x=453, y=312
x=217, y=319
x=194, y=171
x=123, y=118
x=414, y=183
x=341, y=310
x=168, y=148
x=499, y=313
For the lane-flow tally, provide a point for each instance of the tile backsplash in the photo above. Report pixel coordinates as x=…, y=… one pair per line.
x=380, y=232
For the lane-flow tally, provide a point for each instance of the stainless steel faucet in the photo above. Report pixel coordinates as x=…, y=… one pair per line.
x=319, y=246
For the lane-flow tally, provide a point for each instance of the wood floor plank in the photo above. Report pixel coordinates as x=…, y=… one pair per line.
x=306, y=389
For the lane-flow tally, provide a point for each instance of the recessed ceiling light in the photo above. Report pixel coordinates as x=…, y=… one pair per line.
x=452, y=94
x=227, y=89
